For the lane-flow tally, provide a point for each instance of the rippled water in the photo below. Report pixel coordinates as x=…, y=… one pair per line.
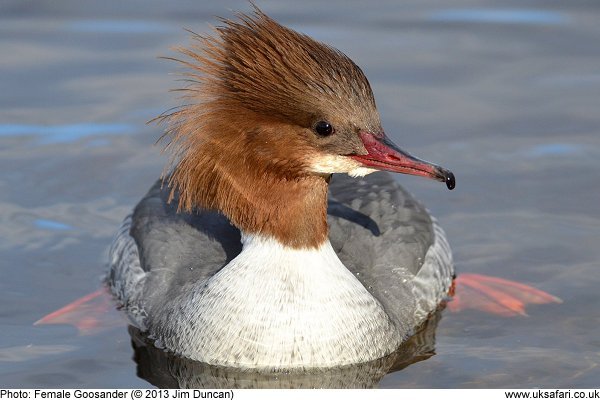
x=505, y=97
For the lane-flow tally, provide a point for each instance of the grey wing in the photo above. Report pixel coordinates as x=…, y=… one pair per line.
x=391, y=244
x=158, y=252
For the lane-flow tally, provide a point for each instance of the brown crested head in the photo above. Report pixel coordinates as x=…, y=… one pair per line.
x=256, y=79
x=270, y=114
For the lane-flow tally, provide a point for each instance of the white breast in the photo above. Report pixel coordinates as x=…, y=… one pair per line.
x=274, y=306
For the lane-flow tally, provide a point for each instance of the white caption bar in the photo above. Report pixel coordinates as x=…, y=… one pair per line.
x=277, y=394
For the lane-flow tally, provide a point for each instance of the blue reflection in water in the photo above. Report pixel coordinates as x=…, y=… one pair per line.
x=116, y=26
x=52, y=225
x=507, y=16
x=64, y=133
x=554, y=149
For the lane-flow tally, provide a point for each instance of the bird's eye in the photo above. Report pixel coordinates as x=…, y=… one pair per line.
x=323, y=128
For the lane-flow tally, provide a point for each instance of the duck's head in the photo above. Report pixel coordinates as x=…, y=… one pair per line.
x=266, y=104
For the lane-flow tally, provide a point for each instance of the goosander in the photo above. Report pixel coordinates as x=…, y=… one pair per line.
x=248, y=253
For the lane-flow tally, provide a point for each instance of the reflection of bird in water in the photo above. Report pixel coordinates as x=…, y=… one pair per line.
x=166, y=370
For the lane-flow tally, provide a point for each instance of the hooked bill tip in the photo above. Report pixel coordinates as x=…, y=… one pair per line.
x=450, y=181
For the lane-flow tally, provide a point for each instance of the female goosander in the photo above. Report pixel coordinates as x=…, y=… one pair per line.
x=237, y=257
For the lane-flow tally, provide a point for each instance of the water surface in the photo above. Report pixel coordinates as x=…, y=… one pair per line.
x=506, y=97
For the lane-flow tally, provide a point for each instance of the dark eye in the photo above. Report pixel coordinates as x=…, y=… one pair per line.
x=323, y=128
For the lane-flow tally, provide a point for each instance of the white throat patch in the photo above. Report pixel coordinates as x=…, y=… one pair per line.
x=330, y=164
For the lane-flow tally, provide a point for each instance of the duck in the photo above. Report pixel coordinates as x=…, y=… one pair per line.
x=277, y=237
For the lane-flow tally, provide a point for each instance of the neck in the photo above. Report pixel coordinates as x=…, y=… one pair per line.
x=273, y=201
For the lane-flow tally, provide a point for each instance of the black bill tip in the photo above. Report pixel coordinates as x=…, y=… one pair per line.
x=449, y=179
